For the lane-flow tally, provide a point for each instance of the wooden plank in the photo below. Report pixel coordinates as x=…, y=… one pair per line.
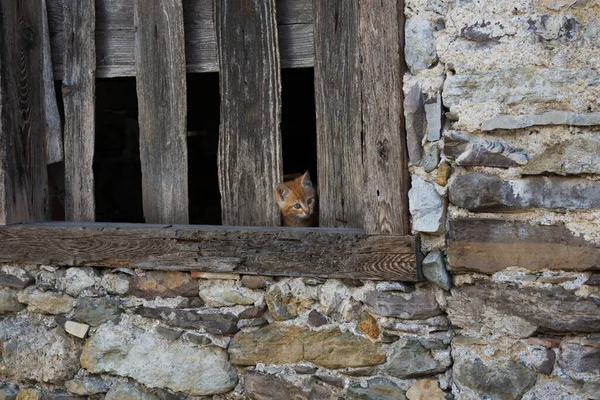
x=338, y=108
x=23, y=129
x=249, y=157
x=161, y=91
x=385, y=160
x=294, y=11
x=333, y=253
x=517, y=244
x=79, y=93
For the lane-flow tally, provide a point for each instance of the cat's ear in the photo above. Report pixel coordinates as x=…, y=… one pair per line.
x=306, y=182
x=281, y=191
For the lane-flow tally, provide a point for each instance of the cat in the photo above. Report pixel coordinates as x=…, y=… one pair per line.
x=297, y=201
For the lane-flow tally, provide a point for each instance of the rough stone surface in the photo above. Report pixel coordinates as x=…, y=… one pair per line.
x=247, y=323
x=432, y=157
x=117, y=284
x=125, y=391
x=552, y=117
x=414, y=114
x=580, y=358
x=33, y=352
x=443, y=173
x=168, y=333
x=316, y=319
x=433, y=115
x=470, y=150
x=130, y=351
x=368, y=325
x=434, y=270
x=223, y=293
x=252, y=312
x=8, y=393
x=282, y=306
x=15, y=277
x=419, y=51
x=30, y=394
x=521, y=311
x=482, y=192
x=282, y=344
x=260, y=386
x=376, y=389
x=46, y=302
x=214, y=275
x=412, y=360
x=152, y=284
x=97, y=310
x=78, y=279
x=572, y=156
x=9, y=302
x=255, y=281
x=425, y=389
x=220, y=324
x=426, y=207
x=86, y=386
x=416, y=305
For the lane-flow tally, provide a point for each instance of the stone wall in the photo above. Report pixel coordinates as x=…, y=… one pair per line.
x=502, y=106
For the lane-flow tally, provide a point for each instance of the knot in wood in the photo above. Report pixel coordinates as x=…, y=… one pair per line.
x=383, y=149
x=26, y=35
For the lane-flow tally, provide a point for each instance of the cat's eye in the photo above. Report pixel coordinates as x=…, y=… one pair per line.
x=309, y=201
x=297, y=206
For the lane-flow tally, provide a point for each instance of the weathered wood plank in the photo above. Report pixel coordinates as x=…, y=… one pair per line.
x=23, y=129
x=386, y=188
x=161, y=91
x=519, y=244
x=334, y=253
x=79, y=92
x=338, y=109
x=250, y=163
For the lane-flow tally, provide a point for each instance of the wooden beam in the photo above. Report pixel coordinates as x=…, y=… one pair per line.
x=250, y=162
x=338, y=109
x=23, y=128
x=161, y=92
x=517, y=244
x=386, y=188
x=79, y=95
x=333, y=253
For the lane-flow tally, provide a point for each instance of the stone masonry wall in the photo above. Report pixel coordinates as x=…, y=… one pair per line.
x=502, y=107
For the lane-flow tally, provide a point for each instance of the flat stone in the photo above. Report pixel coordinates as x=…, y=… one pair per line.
x=368, y=325
x=97, y=310
x=30, y=394
x=411, y=359
x=592, y=390
x=579, y=358
x=414, y=115
x=420, y=327
x=152, y=284
x=387, y=337
x=263, y=386
x=225, y=293
x=443, y=173
x=86, y=386
x=46, y=302
x=66, y=396
x=481, y=192
x=305, y=369
x=78, y=279
x=48, y=281
x=471, y=151
x=126, y=350
x=547, y=365
x=252, y=312
x=376, y=389
x=283, y=344
x=316, y=319
x=416, y=305
x=282, y=306
x=419, y=52
x=572, y=156
x=8, y=393
x=334, y=298
x=214, y=275
x=314, y=281
x=219, y=324
x=433, y=115
x=126, y=391
x=425, y=389
x=15, y=277
x=432, y=157
x=544, y=342
x=426, y=207
x=30, y=351
x=552, y=117
x=117, y=284
x=353, y=283
x=255, y=281
x=332, y=380
x=200, y=340
x=76, y=329
x=247, y=323
x=168, y=333
x=594, y=280
x=9, y=302
x=521, y=311
x=434, y=270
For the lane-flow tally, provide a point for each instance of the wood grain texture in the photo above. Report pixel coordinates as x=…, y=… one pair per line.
x=384, y=152
x=249, y=157
x=333, y=253
x=515, y=243
x=338, y=109
x=115, y=36
x=161, y=91
x=79, y=93
x=23, y=175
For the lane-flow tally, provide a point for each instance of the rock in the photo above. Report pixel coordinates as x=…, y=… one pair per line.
x=15, y=277
x=433, y=115
x=305, y=369
x=255, y=281
x=552, y=117
x=117, y=284
x=353, y=283
x=376, y=389
x=579, y=358
x=46, y=302
x=547, y=365
x=48, y=281
x=332, y=380
x=168, y=333
x=389, y=286
x=219, y=324
x=592, y=390
x=78, y=279
x=9, y=302
x=481, y=192
x=594, y=280
x=573, y=156
x=416, y=305
x=284, y=344
x=443, y=173
x=434, y=270
x=316, y=319
x=252, y=312
x=425, y=389
x=214, y=275
x=483, y=32
x=414, y=115
x=126, y=391
x=33, y=352
x=282, y=306
x=30, y=394
x=368, y=325
x=226, y=293
x=313, y=281
x=426, y=207
x=412, y=360
x=8, y=393
x=152, y=284
x=263, y=387
x=387, y=337
x=521, y=311
x=544, y=342
x=126, y=350
x=86, y=386
x=419, y=327
x=76, y=329
x=432, y=157
x=97, y=310
x=470, y=151
x=419, y=50
x=246, y=323
x=200, y=340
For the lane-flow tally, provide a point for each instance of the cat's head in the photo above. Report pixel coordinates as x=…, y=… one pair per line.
x=296, y=198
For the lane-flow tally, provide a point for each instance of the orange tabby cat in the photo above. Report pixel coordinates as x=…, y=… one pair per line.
x=297, y=201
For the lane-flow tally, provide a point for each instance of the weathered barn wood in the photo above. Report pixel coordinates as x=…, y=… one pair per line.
x=338, y=108
x=335, y=253
x=79, y=92
x=519, y=244
x=23, y=128
x=250, y=162
x=161, y=91
x=115, y=36
x=384, y=149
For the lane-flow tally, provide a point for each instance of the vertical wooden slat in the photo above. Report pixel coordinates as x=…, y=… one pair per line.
x=386, y=183
x=250, y=163
x=161, y=92
x=79, y=91
x=338, y=109
x=23, y=176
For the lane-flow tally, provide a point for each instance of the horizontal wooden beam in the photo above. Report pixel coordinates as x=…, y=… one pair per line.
x=320, y=252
